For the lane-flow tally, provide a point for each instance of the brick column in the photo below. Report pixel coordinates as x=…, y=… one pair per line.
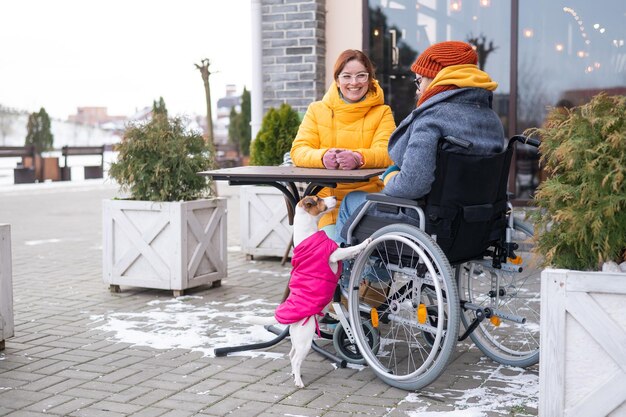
x=294, y=51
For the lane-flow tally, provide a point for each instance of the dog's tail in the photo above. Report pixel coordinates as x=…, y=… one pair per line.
x=263, y=321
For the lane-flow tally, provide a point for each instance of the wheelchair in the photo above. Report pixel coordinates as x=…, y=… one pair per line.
x=458, y=264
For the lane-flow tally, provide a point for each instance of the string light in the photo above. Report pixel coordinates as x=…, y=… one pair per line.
x=579, y=20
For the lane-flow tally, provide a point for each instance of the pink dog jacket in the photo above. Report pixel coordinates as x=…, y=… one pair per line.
x=312, y=282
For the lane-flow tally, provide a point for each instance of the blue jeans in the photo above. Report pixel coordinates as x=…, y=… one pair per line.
x=351, y=202
x=330, y=230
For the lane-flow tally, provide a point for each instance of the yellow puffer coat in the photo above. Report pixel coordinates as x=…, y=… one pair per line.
x=363, y=127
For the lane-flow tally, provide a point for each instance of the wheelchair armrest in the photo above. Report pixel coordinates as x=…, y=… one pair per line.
x=380, y=198
x=396, y=201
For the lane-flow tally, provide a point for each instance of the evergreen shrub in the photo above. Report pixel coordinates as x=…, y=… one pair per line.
x=38, y=131
x=581, y=221
x=159, y=161
x=278, y=130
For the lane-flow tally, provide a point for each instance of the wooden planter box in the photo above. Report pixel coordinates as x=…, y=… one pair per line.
x=264, y=225
x=6, y=285
x=164, y=245
x=582, y=367
x=46, y=168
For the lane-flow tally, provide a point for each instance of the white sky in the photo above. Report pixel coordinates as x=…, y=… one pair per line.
x=120, y=54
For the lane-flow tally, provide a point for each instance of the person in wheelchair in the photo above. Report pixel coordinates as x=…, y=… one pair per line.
x=453, y=100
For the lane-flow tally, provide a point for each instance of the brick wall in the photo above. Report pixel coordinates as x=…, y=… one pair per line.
x=294, y=50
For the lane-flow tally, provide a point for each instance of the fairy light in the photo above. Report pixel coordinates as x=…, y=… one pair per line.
x=455, y=6
x=559, y=47
x=528, y=33
x=581, y=25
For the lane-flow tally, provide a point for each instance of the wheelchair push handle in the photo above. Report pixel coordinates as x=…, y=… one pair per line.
x=463, y=143
x=525, y=140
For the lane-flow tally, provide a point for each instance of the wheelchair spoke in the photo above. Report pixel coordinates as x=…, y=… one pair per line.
x=402, y=266
x=512, y=338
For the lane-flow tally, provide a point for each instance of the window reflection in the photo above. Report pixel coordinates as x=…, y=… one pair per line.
x=568, y=52
x=401, y=29
x=570, y=57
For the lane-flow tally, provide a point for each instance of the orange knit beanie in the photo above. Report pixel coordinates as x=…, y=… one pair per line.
x=441, y=55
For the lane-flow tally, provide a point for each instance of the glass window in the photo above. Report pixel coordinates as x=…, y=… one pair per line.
x=400, y=29
x=569, y=51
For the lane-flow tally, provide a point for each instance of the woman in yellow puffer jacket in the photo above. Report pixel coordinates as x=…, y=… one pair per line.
x=348, y=129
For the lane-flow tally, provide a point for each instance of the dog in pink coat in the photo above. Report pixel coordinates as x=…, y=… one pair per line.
x=316, y=271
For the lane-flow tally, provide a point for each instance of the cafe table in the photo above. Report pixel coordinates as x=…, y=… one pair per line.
x=284, y=178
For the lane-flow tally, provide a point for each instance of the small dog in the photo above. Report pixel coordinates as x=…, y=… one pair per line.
x=316, y=270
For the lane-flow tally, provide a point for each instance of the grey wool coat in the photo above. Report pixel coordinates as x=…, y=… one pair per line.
x=463, y=113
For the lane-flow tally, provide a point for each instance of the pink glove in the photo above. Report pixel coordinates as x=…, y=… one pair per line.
x=349, y=160
x=330, y=159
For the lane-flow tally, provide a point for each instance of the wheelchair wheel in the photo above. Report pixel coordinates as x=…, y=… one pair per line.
x=402, y=284
x=513, y=337
x=350, y=351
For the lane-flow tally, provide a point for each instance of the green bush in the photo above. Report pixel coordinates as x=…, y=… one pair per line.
x=582, y=218
x=38, y=131
x=239, y=129
x=159, y=161
x=274, y=139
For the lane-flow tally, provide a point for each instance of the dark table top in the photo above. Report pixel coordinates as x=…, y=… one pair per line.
x=265, y=174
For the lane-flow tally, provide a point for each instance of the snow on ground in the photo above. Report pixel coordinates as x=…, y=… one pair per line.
x=183, y=323
x=76, y=164
x=514, y=389
x=191, y=323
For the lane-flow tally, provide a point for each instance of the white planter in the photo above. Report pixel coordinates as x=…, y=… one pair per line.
x=6, y=285
x=582, y=367
x=164, y=245
x=265, y=229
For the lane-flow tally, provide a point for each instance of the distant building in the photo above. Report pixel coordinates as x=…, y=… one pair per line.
x=94, y=116
x=224, y=106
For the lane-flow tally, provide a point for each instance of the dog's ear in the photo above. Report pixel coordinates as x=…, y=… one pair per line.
x=308, y=202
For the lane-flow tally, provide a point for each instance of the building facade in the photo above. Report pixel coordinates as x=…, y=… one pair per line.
x=542, y=54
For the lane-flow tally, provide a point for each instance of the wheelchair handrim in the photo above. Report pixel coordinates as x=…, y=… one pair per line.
x=372, y=360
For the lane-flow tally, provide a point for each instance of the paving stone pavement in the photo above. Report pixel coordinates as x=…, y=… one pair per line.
x=80, y=350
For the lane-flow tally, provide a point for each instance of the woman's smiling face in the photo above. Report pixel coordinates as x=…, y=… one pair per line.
x=353, y=81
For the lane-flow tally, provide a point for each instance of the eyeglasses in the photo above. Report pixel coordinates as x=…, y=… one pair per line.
x=417, y=81
x=361, y=77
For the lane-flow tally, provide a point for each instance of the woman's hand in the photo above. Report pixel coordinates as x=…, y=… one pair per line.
x=330, y=158
x=349, y=159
